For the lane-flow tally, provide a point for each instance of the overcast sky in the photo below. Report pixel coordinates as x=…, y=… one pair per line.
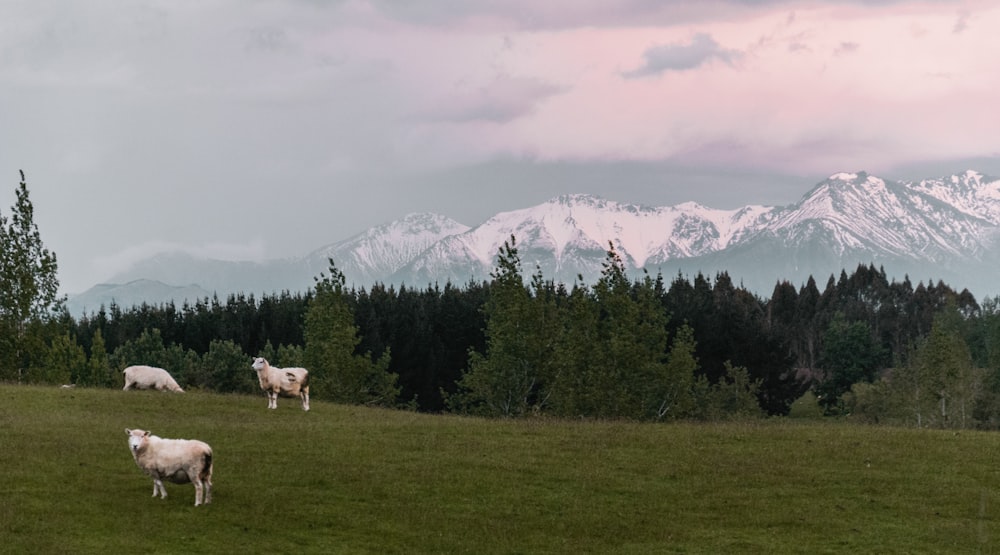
x=245, y=129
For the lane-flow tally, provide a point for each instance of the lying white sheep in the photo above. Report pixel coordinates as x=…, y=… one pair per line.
x=149, y=377
x=177, y=460
x=287, y=382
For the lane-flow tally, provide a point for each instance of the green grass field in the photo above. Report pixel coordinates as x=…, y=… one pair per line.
x=344, y=479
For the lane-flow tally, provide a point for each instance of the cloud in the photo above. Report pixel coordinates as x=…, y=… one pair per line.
x=126, y=258
x=682, y=56
x=501, y=101
x=962, y=23
x=846, y=48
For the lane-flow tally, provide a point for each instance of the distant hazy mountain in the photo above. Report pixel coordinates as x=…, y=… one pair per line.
x=131, y=294
x=933, y=229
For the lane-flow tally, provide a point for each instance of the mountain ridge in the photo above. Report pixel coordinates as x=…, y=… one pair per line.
x=950, y=224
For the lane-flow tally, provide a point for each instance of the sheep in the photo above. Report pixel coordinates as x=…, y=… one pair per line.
x=149, y=377
x=178, y=460
x=286, y=382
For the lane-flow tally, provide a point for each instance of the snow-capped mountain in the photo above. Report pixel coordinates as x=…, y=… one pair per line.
x=569, y=236
x=379, y=252
x=863, y=214
x=945, y=228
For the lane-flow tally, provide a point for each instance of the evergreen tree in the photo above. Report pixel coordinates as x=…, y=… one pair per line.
x=28, y=287
x=330, y=340
x=98, y=366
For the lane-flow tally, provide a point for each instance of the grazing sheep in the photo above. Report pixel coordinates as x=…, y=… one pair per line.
x=286, y=382
x=177, y=460
x=149, y=377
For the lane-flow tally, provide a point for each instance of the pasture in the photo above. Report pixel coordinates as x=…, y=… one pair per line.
x=346, y=479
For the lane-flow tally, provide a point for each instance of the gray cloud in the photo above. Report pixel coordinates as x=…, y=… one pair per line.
x=682, y=56
x=503, y=100
x=846, y=48
x=962, y=23
x=564, y=14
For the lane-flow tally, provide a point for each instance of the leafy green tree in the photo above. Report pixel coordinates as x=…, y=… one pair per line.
x=330, y=340
x=870, y=403
x=678, y=382
x=184, y=365
x=505, y=381
x=627, y=371
x=148, y=349
x=733, y=397
x=940, y=384
x=28, y=286
x=571, y=392
x=850, y=355
x=738, y=393
x=269, y=353
x=289, y=356
x=227, y=368
x=65, y=362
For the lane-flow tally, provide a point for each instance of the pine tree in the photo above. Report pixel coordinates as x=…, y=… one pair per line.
x=28, y=286
x=99, y=368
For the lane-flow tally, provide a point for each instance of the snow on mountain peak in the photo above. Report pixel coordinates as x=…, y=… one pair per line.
x=948, y=226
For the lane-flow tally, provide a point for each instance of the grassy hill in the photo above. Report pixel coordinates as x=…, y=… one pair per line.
x=344, y=479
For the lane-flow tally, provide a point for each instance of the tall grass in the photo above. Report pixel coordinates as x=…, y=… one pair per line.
x=343, y=479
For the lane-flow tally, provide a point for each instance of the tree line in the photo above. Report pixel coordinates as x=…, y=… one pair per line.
x=516, y=345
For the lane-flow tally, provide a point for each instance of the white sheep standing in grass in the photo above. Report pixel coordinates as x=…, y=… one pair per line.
x=177, y=460
x=149, y=377
x=286, y=382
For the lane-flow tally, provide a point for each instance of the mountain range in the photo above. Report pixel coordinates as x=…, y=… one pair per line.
x=934, y=229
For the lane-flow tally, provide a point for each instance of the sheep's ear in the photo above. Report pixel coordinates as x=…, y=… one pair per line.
x=147, y=433
x=128, y=432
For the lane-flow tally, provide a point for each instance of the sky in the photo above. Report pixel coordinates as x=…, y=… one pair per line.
x=252, y=130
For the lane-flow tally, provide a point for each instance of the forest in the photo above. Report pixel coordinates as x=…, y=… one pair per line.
x=643, y=347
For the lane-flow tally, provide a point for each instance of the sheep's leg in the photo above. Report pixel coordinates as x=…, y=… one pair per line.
x=305, y=398
x=158, y=485
x=198, y=491
x=208, y=490
x=272, y=400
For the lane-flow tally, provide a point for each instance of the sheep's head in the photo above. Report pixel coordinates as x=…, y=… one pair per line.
x=259, y=363
x=136, y=439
